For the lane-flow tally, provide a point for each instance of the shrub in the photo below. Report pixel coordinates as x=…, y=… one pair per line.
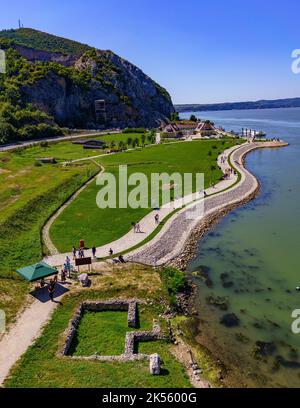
x=134, y=130
x=173, y=280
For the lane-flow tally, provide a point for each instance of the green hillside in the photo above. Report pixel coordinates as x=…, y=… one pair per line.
x=42, y=41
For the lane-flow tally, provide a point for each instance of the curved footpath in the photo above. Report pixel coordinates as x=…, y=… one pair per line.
x=147, y=223
x=176, y=242
x=46, y=229
x=164, y=248
x=175, y=234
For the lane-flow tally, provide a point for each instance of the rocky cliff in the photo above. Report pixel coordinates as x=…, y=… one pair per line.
x=67, y=78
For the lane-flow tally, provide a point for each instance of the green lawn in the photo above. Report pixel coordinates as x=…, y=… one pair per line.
x=84, y=220
x=40, y=366
x=103, y=333
x=64, y=151
x=29, y=194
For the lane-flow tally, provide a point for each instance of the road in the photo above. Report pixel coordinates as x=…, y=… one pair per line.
x=13, y=146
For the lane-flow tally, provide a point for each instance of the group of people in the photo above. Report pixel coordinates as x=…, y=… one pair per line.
x=228, y=172
x=81, y=252
x=136, y=227
x=120, y=259
x=223, y=159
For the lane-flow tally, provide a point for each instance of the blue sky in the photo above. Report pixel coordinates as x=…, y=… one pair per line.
x=201, y=51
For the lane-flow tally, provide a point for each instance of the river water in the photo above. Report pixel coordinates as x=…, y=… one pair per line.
x=251, y=260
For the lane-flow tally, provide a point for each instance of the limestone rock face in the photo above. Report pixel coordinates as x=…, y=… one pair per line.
x=132, y=99
x=155, y=364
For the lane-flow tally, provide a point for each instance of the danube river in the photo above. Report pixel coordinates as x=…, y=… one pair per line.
x=249, y=265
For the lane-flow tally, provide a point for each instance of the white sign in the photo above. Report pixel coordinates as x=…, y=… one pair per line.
x=2, y=322
x=2, y=62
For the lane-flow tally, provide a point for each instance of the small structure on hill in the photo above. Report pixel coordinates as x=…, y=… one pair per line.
x=188, y=128
x=46, y=160
x=100, y=111
x=90, y=144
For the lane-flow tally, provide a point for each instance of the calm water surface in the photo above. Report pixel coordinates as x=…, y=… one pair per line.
x=252, y=258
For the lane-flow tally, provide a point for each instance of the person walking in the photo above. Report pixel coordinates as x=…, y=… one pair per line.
x=156, y=218
x=111, y=252
x=94, y=251
x=138, y=228
x=51, y=287
x=74, y=250
x=63, y=276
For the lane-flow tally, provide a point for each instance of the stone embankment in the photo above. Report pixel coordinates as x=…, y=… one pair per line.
x=177, y=243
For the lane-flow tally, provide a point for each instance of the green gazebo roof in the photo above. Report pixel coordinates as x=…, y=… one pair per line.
x=38, y=271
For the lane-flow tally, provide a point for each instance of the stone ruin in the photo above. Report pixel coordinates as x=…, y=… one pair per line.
x=131, y=339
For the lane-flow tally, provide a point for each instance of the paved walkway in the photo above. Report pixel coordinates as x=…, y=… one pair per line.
x=28, y=327
x=163, y=247
x=147, y=224
x=170, y=241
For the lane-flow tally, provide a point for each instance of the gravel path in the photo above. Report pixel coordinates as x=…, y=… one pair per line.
x=147, y=224
x=46, y=229
x=28, y=327
x=170, y=241
x=162, y=248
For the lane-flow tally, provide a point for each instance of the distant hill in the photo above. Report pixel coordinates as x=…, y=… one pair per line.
x=28, y=37
x=52, y=81
x=262, y=104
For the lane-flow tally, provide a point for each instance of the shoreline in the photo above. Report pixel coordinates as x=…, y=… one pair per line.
x=193, y=337
x=210, y=221
x=171, y=245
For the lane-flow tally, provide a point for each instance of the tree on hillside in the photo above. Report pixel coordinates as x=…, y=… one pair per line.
x=175, y=117
x=136, y=142
x=121, y=145
x=143, y=138
x=151, y=138
x=193, y=118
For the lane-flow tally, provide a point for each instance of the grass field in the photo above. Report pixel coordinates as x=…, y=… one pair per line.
x=104, y=333
x=41, y=367
x=84, y=220
x=29, y=194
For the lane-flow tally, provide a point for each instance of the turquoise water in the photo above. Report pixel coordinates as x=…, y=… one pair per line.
x=252, y=258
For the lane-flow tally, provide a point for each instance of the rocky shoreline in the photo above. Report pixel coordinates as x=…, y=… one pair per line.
x=190, y=247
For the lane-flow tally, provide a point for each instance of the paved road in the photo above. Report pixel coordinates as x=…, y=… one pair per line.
x=13, y=146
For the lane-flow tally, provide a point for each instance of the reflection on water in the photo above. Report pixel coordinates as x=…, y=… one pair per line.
x=248, y=267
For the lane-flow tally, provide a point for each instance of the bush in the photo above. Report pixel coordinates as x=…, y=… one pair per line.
x=134, y=130
x=173, y=280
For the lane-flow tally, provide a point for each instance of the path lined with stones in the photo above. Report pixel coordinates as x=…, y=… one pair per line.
x=147, y=223
x=170, y=241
